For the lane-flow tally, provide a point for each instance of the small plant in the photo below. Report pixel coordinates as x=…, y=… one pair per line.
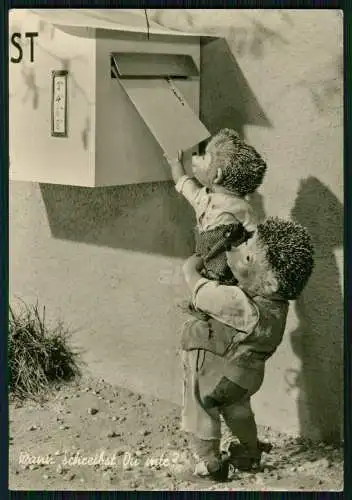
x=39, y=357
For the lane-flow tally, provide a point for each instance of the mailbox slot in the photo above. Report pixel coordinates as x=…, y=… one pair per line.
x=150, y=65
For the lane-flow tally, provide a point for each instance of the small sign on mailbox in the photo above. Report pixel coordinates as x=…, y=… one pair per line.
x=59, y=104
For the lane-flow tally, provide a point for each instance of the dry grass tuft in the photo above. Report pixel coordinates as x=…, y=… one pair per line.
x=39, y=358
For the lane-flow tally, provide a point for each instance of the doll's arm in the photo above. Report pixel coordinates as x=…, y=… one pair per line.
x=185, y=185
x=176, y=166
x=227, y=304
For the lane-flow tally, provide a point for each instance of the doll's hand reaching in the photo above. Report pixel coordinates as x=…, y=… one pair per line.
x=176, y=164
x=178, y=160
x=180, y=156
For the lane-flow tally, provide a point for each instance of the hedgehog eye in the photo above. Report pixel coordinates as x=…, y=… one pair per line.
x=248, y=258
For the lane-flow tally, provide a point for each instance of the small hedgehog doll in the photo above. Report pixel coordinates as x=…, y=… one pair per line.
x=229, y=170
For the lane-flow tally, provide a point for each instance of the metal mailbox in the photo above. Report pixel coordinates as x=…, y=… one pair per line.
x=94, y=100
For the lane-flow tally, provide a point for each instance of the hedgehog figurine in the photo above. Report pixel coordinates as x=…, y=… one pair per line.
x=224, y=175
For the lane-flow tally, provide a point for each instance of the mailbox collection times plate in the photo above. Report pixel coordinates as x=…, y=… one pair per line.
x=59, y=104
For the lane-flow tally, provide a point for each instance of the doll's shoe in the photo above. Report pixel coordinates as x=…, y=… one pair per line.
x=243, y=460
x=216, y=469
x=210, y=464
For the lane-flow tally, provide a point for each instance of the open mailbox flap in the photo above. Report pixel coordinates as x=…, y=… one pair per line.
x=166, y=113
x=146, y=78
x=168, y=116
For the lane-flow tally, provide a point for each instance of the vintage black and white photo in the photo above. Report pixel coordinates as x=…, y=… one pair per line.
x=176, y=249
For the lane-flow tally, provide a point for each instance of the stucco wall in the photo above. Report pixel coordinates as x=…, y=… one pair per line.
x=108, y=260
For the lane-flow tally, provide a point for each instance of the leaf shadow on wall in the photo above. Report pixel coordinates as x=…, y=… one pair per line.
x=226, y=99
x=327, y=93
x=318, y=340
x=254, y=39
x=150, y=217
x=32, y=89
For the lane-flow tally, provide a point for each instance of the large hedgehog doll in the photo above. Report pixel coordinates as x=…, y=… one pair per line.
x=228, y=171
x=224, y=356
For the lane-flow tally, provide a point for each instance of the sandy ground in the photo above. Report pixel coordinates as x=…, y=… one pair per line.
x=92, y=436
